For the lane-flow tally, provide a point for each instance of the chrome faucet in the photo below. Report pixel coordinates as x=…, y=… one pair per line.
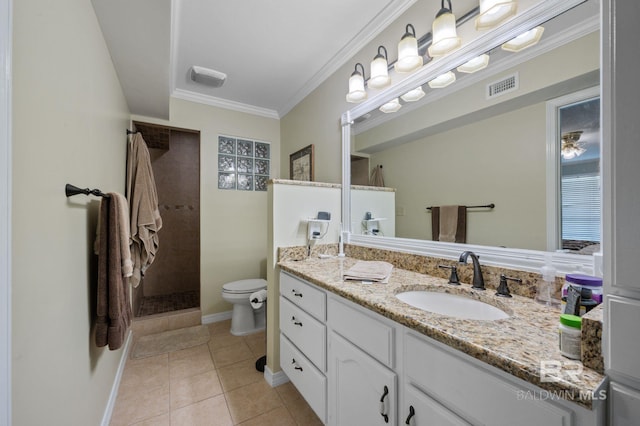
x=478, y=281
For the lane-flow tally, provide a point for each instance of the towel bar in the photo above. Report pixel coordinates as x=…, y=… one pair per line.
x=488, y=206
x=71, y=190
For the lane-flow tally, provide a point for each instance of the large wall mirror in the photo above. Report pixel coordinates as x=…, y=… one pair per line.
x=501, y=136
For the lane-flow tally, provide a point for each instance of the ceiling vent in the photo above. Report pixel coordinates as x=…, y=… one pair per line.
x=502, y=86
x=207, y=76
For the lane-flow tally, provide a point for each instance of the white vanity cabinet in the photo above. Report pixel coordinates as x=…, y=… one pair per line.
x=361, y=390
x=357, y=367
x=303, y=340
x=362, y=380
x=465, y=390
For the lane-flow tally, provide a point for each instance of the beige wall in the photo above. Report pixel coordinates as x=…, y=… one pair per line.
x=289, y=207
x=500, y=160
x=69, y=121
x=233, y=224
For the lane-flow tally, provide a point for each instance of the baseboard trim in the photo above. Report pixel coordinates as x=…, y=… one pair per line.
x=275, y=379
x=106, y=418
x=220, y=316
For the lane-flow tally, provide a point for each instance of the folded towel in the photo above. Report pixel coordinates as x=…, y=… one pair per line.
x=376, y=271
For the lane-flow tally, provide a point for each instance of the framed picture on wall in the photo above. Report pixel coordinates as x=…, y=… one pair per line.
x=301, y=164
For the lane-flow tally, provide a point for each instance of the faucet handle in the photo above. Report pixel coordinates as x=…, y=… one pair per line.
x=453, y=278
x=503, y=288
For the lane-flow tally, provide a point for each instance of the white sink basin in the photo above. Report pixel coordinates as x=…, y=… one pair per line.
x=452, y=305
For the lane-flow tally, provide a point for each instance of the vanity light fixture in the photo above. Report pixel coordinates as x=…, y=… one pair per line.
x=571, y=147
x=443, y=80
x=380, y=70
x=494, y=12
x=408, y=58
x=476, y=64
x=413, y=95
x=392, y=106
x=524, y=40
x=445, y=35
x=356, y=86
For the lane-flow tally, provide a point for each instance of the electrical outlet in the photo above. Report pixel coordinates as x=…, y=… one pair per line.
x=399, y=211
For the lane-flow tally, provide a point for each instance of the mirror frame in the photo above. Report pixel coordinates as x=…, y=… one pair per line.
x=521, y=259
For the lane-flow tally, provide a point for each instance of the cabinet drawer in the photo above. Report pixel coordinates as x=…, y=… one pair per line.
x=420, y=410
x=310, y=299
x=307, y=333
x=364, y=330
x=310, y=382
x=477, y=394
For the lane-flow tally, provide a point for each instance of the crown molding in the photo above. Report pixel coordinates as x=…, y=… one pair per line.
x=388, y=15
x=188, y=95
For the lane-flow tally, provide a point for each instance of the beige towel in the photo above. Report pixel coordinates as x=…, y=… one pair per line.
x=448, y=223
x=125, y=234
x=376, y=271
x=145, y=219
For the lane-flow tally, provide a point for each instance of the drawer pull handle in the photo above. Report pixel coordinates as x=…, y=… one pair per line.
x=412, y=413
x=297, y=367
x=296, y=322
x=383, y=405
x=296, y=293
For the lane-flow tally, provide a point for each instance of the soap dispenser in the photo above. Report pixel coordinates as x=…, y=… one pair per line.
x=547, y=285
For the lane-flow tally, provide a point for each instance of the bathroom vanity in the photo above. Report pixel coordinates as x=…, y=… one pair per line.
x=359, y=355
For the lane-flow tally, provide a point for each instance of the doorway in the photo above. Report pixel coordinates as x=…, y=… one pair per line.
x=172, y=282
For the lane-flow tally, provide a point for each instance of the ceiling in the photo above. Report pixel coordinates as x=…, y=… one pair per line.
x=273, y=52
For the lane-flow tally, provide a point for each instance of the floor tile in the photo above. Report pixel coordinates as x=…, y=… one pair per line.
x=277, y=417
x=257, y=343
x=189, y=362
x=163, y=420
x=223, y=340
x=231, y=354
x=134, y=407
x=212, y=411
x=188, y=390
x=145, y=373
x=251, y=401
x=219, y=327
x=239, y=374
x=302, y=413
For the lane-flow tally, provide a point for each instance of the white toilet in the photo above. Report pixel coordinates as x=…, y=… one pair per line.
x=244, y=319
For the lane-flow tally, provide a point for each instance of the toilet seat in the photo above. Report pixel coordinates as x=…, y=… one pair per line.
x=244, y=286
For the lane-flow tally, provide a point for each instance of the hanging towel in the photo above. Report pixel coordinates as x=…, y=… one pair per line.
x=449, y=224
x=376, y=178
x=376, y=271
x=113, y=306
x=145, y=220
x=125, y=236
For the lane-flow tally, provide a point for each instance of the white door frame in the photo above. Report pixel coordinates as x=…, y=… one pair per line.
x=5, y=212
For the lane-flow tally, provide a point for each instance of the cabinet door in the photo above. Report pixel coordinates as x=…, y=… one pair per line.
x=363, y=391
x=419, y=409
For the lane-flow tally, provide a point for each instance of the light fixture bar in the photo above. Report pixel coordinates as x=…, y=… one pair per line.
x=425, y=40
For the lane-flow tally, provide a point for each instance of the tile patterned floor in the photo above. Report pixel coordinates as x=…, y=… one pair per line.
x=151, y=305
x=213, y=384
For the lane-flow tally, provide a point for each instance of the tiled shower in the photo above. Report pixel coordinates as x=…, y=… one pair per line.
x=172, y=282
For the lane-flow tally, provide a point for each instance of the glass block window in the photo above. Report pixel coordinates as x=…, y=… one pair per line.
x=243, y=164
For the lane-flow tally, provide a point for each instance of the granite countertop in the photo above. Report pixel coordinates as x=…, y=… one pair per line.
x=518, y=345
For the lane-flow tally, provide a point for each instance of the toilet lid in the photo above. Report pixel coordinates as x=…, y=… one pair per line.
x=245, y=286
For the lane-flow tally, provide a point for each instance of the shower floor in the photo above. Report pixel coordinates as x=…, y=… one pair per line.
x=151, y=305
